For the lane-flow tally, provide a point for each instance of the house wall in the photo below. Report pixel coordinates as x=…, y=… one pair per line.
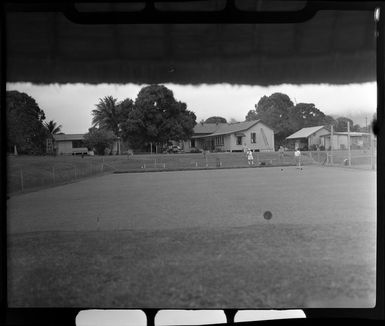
x=339, y=140
x=65, y=147
x=230, y=140
x=315, y=139
x=259, y=144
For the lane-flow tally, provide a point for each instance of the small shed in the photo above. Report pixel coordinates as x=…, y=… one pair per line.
x=306, y=138
x=69, y=144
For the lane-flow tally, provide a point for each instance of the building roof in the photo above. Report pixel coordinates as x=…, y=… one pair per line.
x=230, y=128
x=352, y=134
x=68, y=137
x=207, y=128
x=305, y=132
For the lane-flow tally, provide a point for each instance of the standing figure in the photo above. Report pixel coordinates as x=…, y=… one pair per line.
x=250, y=157
x=281, y=154
x=297, y=155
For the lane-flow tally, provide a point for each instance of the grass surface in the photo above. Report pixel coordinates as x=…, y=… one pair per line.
x=197, y=239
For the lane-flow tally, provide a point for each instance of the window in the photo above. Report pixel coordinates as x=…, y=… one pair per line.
x=219, y=140
x=239, y=140
x=77, y=144
x=253, y=138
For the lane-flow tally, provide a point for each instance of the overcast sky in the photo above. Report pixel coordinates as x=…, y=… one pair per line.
x=71, y=104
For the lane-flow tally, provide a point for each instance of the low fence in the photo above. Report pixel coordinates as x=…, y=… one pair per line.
x=366, y=159
x=28, y=173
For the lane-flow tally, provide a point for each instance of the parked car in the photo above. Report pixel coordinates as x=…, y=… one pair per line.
x=175, y=149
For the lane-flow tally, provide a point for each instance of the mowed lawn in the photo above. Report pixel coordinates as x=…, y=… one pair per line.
x=197, y=239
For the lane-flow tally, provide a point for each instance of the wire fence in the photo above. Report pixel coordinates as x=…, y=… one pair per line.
x=29, y=173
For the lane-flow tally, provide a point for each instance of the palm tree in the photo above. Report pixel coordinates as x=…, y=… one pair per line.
x=106, y=115
x=52, y=127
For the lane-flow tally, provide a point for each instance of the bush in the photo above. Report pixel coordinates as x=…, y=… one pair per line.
x=195, y=150
x=313, y=147
x=322, y=148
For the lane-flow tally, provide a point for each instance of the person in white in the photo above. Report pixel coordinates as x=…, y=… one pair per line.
x=250, y=157
x=297, y=155
x=281, y=154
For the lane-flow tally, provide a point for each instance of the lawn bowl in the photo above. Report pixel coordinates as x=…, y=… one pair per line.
x=267, y=215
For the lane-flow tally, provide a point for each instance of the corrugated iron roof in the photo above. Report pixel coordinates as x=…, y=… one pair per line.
x=68, y=137
x=305, y=132
x=352, y=134
x=207, y=128
x=235, y=127
x=225, y=129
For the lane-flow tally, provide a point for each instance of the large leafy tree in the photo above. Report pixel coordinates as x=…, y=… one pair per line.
x=341, y=124
x=157, y=117
x=25, y=128
x=304, y=115
x=251, y=115
x=216, y=120
x=274, y=111
x=52, y=127
x=98, y=139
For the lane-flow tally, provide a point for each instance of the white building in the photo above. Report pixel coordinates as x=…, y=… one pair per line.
x=72, y=144
x=234, y=137
x=69, y=144
x=358, y=140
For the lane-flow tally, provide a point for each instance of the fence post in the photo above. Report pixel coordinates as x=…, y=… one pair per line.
x=53, y=174
x=372, y=152
x=75, y=172
x=21, y=180
x=331, y=144
x=349, y=152
x=101, y=170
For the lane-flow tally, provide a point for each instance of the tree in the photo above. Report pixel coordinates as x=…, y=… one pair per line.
x=99, y=139
x=52, y=127
x=107, y=115
x=251, y=115
x=341, y=125
x=25, y=128
x=274, y=111
x=304, y=115
x=157, y=117
x=373, y=125
x=216, y=120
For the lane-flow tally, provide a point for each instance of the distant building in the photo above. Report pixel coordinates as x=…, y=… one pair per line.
x=68, y=144
x=358, y=140
x=72, y=144
x=306, y=138
x=233, y=137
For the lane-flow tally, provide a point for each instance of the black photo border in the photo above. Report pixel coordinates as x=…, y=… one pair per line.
x=230, y=14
